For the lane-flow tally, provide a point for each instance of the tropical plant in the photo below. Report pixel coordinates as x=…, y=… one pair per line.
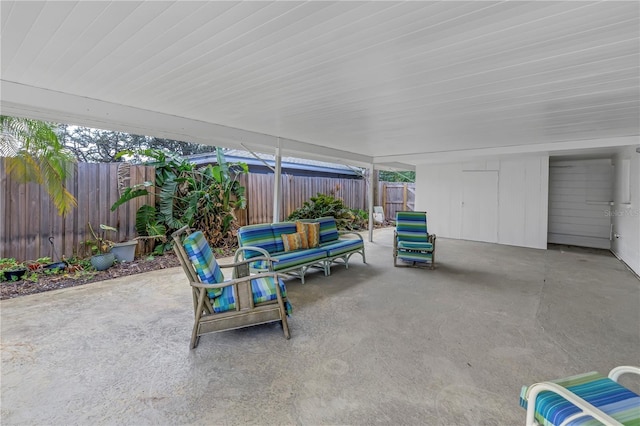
x=328, y=205
x=34, y=154
x=100, y=243
x=203, y=198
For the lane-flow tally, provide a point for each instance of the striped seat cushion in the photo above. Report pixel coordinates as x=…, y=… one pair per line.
x=295, y=258
x=258, y=236
x=203, y=261
x=411, y=245
x=415, y=256
x=339, y=247
x=598, y=390
x=263, y=290
x=411, y=226
x=328, y=229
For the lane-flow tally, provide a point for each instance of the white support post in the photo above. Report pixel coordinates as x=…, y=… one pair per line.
x=371, y=179
x=277, y=189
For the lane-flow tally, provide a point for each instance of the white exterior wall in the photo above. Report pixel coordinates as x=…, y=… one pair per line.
x=523, y=186
x=625, y=212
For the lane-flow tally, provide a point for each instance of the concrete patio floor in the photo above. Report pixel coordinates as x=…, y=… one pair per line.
x=372, y=344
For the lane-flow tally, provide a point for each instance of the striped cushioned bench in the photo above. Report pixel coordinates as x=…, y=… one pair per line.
x=265, y=240
x=552, y=405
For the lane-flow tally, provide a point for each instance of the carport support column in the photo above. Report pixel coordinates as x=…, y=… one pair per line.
x=277, y=189
x=371, y=192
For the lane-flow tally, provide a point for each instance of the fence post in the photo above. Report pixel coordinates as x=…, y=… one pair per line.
x=404, y=196
x=384, y=200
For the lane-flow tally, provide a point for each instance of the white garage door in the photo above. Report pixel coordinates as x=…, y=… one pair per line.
x=580, y=193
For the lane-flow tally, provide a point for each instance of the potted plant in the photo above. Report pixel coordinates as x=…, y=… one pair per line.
x=102, y=258
x=125, y=251
x=10, y=270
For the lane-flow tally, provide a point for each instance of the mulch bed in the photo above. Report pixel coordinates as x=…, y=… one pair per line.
x=9, y=290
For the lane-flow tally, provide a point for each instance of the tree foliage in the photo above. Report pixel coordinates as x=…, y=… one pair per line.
x=35, y=154
x=388, y=176
x=102, y=146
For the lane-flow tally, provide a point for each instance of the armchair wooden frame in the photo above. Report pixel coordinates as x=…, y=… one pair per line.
x=246, y=313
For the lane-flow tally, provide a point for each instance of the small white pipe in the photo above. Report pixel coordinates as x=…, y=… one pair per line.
x=277, y=185
x=371, y=175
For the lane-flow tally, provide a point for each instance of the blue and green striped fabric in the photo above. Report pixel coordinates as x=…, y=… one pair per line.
x=598, y=390
x=282, y=228
x=339, y=247
x=415, y=256
x=328, y=229
x=294, y=258
x=410, y=245
x=411, y=227
x=258, y=236
x=203, y=261
x=263, y=290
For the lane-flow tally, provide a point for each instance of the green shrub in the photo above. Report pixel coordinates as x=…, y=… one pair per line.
x=327, y=205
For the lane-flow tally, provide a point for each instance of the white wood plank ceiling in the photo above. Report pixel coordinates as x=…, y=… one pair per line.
x=381, y=82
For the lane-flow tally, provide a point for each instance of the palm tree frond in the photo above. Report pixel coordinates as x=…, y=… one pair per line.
x=35, y=154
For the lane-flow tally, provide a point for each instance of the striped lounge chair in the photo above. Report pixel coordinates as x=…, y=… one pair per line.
x=220, y=305
x=585, y=399
x=412, y=244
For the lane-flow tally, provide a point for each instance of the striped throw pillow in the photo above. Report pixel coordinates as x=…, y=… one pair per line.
x=311, y=231
x=292, y=241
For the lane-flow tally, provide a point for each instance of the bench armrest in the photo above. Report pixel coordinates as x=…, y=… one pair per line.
x=235, y=281
x=340, y=233
x=619, y=371
x=586, y=408
x=265, y=256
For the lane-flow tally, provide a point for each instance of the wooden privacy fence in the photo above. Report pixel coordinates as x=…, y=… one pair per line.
x=396, y=197
x=298, y=189
x=295, y=191
x=28, y=218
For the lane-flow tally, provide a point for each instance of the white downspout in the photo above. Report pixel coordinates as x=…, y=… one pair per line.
x=371, y=174
x=277, y=189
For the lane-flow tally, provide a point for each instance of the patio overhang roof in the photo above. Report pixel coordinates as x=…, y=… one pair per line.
x=395, y=84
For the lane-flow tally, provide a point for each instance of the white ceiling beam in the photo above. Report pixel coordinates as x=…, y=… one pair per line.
x=27, y=101
x=541, y=148
x=33, y=102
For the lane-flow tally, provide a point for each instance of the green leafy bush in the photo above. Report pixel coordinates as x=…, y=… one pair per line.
x=202, y=197
x=327, y=205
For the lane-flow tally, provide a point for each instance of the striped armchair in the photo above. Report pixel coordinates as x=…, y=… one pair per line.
x=412, y=244
x=222, y=305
